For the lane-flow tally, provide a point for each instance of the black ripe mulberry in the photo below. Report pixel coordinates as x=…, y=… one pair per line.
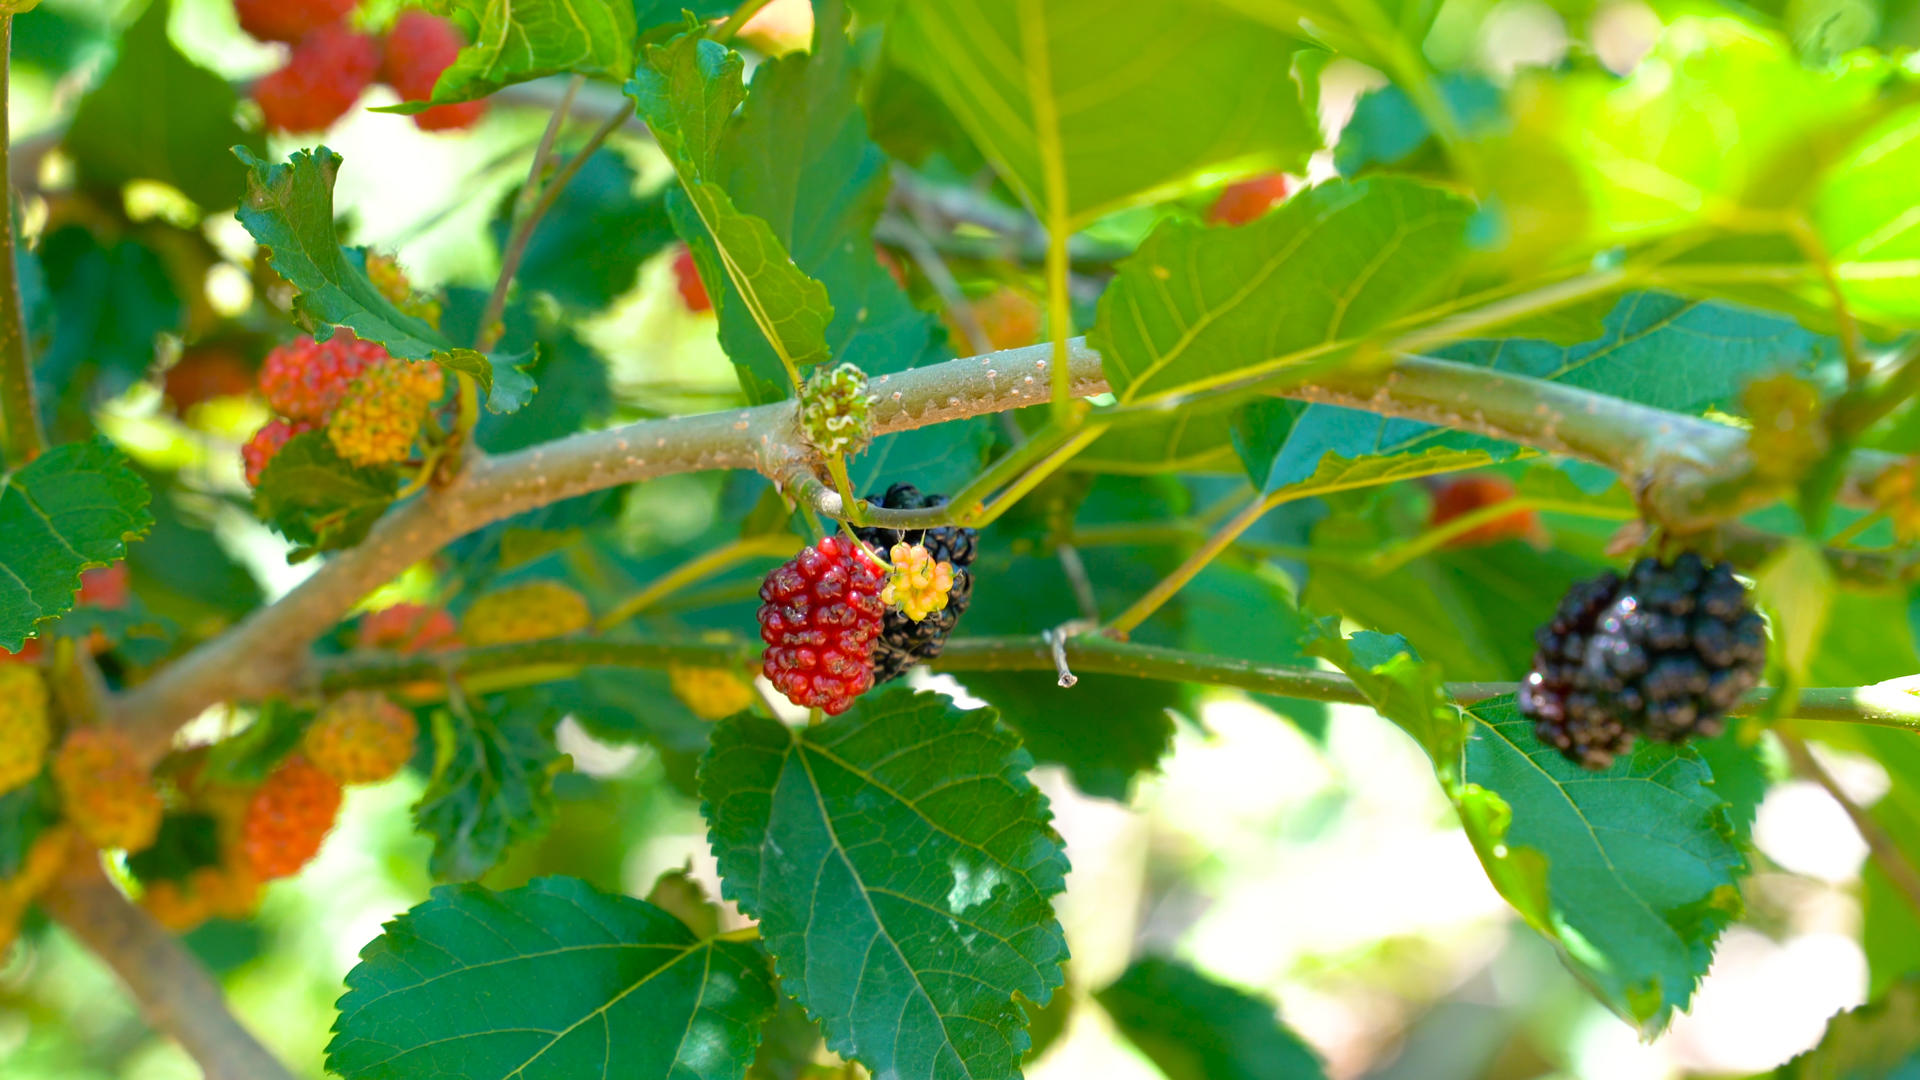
x=904, y=642
x=1664, y=652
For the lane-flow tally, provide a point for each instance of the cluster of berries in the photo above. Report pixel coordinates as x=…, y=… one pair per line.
x=836, y=620
x=332, y=64
x=1663, y=652
x=371, y=406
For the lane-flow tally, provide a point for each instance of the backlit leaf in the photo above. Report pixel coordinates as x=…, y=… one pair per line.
x=1083, y=113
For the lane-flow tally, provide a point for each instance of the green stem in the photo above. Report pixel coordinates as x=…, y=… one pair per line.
x=1886, y=705
x=1060, y=319
x=556, y=660
x=742, y=15
x=525, y=216
x=852, y=510
x=696, y=570
x=1124, y=623
x=21, y=437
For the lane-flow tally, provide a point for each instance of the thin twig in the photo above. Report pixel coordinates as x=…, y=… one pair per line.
x=21, y=437
x=1885, y=850
x=175, y=992
x=524, y=217
x=551, y=193
x=1223, y=538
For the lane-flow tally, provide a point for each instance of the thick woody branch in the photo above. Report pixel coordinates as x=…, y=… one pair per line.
x=175, y=992
x=1686, y=470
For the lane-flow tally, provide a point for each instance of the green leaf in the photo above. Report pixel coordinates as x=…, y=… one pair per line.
x=1197, y=307
x=1472, y=610
x=590, y=244
x=289, y=210
x=1106, y=729
x=1632, y=872
x=1382, y=33
x=1388, y=130
x=687, y=91
x=316, y=499
x=551, y=981
x=25, y=813
x=110, y=305
x=72, y=508
x=518, y=40
x=1642, y=862
x=798, y=156
x=1795, y=587
x=901, y=866
x=1877, y=1041
x=492, y=783
x=1669, y=352
x=1195, y=1028
x=159, y=116
x=1083, y=113
x=504, y=383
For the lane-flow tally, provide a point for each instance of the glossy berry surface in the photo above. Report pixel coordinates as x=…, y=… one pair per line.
x=287, y=818
x=903, y=641
x=325, y=76
x=306, y=379
x=819, y=616
x=1663, y=652
x=289, y=20
x=360, y=738
x=420, y=46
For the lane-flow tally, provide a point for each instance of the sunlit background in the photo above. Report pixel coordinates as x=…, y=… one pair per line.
x=1327, y=873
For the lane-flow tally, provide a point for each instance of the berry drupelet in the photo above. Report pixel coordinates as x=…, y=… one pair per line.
x=903, y=641
x=819, y=616
x=1664, y=652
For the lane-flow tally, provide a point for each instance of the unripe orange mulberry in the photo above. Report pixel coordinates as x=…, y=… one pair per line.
x=107, y=795
x=531, y=611
x=25, y=730
x=360, y=738
x=44, y=858
x=381, y=414
x=1465, y=495
x=407, y=628
x=712, y=693
x=288, y=817
x=225, y=892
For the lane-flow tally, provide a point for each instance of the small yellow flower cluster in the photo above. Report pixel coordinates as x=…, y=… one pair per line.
x=916, y=584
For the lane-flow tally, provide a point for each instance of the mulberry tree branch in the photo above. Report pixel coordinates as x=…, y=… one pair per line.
x=20, y=435
x=1688, y=472
x=175, y=992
